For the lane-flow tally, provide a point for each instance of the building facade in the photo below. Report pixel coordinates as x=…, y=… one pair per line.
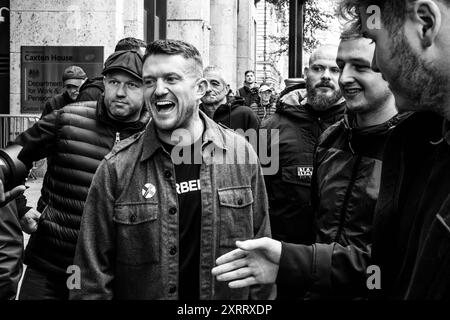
x=270, y=68
x=223, y=30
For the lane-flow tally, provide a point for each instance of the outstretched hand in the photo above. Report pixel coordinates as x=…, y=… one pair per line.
x=254, y=262
x=7, y=196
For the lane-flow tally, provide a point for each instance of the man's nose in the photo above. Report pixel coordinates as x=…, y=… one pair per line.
x=346, y=76
x=326, y=74
x=160, y=89
x=121, y=91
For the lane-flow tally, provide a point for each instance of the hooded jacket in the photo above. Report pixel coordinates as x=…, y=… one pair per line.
x=235, y=115
x=250, y=95
x=412, y=217
x=345, y=188
x=289, y=193
x=74, y=140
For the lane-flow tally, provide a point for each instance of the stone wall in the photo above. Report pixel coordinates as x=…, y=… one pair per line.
x=69, y=23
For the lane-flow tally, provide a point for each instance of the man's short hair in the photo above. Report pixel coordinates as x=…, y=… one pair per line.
x=130, y=43
x=393, y=12
x=174, y=48
x=219, y=70
x=350, y=33
x=249, y=71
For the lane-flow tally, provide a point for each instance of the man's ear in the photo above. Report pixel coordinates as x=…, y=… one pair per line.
x=305, y=72
x=429, y=18
x=202, y=86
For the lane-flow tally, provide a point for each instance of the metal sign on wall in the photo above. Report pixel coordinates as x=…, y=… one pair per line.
x=42, y=68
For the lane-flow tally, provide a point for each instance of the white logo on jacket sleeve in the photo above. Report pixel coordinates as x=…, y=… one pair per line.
x=149, y=191
x=305, y=171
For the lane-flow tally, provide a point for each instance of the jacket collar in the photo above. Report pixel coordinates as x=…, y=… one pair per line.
x=211, y=134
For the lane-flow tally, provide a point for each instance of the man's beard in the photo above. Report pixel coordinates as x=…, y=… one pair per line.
x=424, y=86
x=321, y=101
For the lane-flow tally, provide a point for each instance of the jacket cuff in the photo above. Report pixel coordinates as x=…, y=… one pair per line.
x=295, y=266
x=321, y=267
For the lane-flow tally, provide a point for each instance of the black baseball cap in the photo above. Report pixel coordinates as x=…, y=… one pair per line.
x=130, y=61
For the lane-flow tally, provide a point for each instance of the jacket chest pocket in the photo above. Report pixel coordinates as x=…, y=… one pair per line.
x=236, y=215
x=137, y=233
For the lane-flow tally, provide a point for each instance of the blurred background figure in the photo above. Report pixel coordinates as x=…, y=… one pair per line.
x=265, y=106
x=73, y=78
x=250, y=90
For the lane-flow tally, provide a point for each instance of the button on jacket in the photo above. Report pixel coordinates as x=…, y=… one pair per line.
x=128, y=248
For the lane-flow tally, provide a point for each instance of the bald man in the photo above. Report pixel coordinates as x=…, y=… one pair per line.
x=300, y=124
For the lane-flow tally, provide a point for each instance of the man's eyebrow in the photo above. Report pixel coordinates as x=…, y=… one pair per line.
x=165, y=75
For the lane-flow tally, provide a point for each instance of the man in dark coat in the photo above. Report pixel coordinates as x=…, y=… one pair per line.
x=233, y=113
x=75, y=139
x=73, y=78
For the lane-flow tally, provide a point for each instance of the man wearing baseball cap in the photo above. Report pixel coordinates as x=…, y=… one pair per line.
x=73, y=78
x=265, y=106
x=75, y=139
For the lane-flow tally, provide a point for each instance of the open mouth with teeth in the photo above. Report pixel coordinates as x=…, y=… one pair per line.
x=164, y=106
x=352, y=91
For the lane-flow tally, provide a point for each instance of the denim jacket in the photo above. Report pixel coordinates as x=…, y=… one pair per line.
x=128, y=245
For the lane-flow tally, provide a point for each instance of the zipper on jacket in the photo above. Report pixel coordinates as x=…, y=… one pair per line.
x=117, y=138
x=347, y=197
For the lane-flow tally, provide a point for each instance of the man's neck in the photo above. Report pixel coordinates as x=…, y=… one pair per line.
x=249, y=85
x=379, y=116
x=186, y=135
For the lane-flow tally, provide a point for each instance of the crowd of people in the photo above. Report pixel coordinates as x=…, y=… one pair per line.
x=156, y=189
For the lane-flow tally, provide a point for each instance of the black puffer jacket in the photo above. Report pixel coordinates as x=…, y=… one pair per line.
x=345, y=189
x=289, y=189
x=74, y=140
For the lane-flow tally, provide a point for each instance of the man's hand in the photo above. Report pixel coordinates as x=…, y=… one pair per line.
x=7, y=196
x=254, y=262
x=29, y=221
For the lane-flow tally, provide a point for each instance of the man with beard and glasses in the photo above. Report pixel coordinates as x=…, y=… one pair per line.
x=346, y=180
x=300, y=123
x=164, y=206
x=231, y=112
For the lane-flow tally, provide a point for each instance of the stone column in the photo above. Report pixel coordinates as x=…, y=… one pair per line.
x=246, y=35
x=223, y=50
x=134, y=19
x=188, y=20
